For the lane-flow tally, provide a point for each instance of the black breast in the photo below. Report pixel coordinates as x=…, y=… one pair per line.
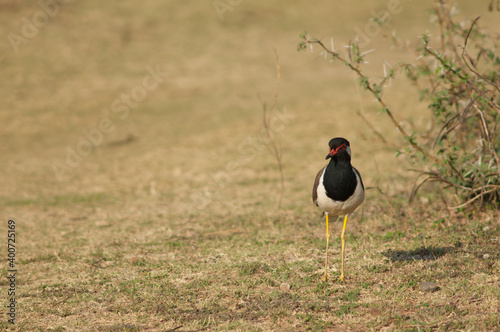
x=339, y=180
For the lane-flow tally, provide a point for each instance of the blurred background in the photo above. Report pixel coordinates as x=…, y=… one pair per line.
x=68, y=65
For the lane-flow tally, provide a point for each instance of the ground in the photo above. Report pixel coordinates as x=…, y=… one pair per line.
x=136, y=169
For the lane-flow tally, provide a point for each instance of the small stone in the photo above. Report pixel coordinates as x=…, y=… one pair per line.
x=486, y=228
x=486, y=256
x=285, y=287
x=428, y=287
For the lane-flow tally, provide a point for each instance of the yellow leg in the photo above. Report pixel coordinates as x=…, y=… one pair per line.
x=325, y=277
x=342, y=237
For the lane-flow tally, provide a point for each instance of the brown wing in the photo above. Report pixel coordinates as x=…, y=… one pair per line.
x=315, y=188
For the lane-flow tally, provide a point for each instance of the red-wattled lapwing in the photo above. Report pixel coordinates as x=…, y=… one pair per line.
x=338, y=190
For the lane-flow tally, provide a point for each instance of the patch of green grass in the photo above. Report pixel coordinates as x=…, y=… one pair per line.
x=390, y=236
x=346, y=309
x=324, y=288
x=59, y=328
x=314, y=323
x=492, y=321
x=410, y=284
x=377, y=268
x=351, y=295
x=438, y=222
x=251, y=268
x=122, y=328
x=366, y=285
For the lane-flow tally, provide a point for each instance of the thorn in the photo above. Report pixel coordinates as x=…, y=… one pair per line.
x=366, y=52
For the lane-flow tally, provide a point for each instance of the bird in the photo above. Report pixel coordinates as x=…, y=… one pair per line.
x=338, y=191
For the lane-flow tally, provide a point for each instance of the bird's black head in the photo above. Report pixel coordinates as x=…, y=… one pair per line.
x=339, y=147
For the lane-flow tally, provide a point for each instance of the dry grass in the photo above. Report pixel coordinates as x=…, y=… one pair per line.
x=170, y=223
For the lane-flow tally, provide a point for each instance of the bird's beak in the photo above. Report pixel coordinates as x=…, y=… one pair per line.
x=333, y=152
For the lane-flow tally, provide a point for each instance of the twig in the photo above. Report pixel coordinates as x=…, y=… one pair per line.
x=488, y=99
x=491, y=146
x=473, y=68
x=461, y=121
x=443, y=63
x=424, y=65
x=278, y=81
x=441, y=24
x=416, y=188
x=449, y=24
x=439, y=177
x=475, y=198
x=369, y=87
x=272, y=146
x=378, y=189
x=379, y=135
x=443, y=199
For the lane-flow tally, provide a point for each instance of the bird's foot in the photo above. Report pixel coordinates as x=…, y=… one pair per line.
x=324, y=278
x=341, y=278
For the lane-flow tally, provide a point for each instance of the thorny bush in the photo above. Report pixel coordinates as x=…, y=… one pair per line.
x=458, y=77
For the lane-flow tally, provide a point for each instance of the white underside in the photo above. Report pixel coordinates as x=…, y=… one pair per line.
x=337, y=208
